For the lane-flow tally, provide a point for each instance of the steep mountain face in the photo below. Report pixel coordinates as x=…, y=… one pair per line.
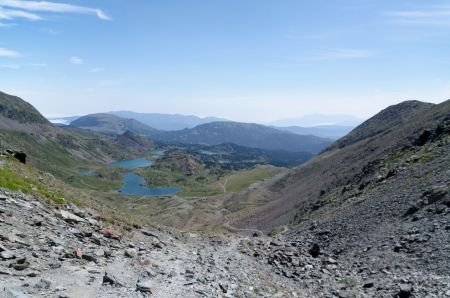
x=245, y=134
x=167, y=121
x=111, y=124
x=16, y=109
x=394, y=118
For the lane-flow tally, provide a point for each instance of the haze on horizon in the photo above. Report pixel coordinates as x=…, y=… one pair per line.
x=249, y=61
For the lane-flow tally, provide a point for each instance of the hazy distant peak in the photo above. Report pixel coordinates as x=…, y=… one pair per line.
x=318, y=120
x=167, y=121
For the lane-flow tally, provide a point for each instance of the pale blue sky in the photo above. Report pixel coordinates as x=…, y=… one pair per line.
x=246, y=60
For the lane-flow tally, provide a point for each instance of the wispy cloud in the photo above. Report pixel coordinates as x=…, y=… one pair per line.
x=22, y=8
x=76, y=60
x=37, y=64
x=10, y=66
x=11, y=14
x=20, y=66
x=8, y=53
x=341, y=54
x=97, y=69
x=108, y=83
x=7, y=25
x=436, y=15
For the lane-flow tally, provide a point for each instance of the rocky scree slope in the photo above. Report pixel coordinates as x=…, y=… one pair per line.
x=66, y=251
x=379, y=214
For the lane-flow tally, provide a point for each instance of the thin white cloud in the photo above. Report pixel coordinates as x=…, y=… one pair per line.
x=76, y=60
x=8, y=53
x=7, y=25
x=97, y=69
x=44, y=6
x=20, y=66
x=342, y=54
x=436, y=15
x=10, y=66
x=108, y=83
x=11, y=14
x=38, y=64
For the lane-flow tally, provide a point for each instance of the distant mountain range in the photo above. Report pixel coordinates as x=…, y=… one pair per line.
x=215, y=133
x=245, y=134
x=324, y=126
x=112, y=125
x=155, y=120
x=318, y=120
x=167, y=121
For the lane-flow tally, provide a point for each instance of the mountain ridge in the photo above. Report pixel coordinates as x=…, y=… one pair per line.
x=245, y=134
x=167, y=122
x=112, y=124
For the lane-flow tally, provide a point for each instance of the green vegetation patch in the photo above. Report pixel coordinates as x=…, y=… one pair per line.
x=11, y=180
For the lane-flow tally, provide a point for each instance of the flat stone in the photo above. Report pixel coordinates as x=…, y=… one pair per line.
x=7, y=255
x=5, y=272
x=131, y=253
x=144, y=286
x=69, y=217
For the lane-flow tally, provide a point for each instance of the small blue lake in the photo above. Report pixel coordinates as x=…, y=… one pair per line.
x=133, y=164
x=134, y=185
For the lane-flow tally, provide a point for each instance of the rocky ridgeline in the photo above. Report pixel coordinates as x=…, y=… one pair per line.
x=70, y=253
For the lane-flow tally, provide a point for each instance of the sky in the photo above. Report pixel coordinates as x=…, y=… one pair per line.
x=244, y=60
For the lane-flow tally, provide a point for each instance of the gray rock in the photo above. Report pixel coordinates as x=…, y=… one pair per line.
x=406, y=290
x=43, y=284
x=21, y=264
x=110, y=279
x=5, y=272
x=69, y=217
x=131, y=253
x=13, y=293
x=7, y=255
x=144, y=286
